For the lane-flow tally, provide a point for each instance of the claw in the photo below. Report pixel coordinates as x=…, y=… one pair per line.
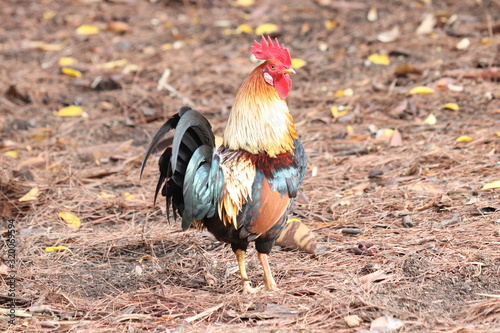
x=269, y=283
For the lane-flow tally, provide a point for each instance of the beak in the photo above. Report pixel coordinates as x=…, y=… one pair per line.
x=289, y=71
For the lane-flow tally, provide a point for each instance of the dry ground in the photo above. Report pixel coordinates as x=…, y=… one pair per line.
x=128, y=270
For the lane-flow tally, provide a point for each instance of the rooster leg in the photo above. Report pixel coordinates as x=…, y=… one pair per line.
x=240, y=256
x=268, y=276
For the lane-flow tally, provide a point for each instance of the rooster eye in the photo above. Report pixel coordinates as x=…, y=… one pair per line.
x=272, y=67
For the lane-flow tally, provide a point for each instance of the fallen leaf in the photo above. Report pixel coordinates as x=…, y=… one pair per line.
x=372, y=14
x=421, y=90
x=128, y=196
x=298, y=63
x=105, y=195
x=118, y=27
x=374, y=277
x=57, y=248
x=67, y=61
x=113, y=64
x=331, y=24
x=87, y=29
x=451, y=106
x=344, y=93
x=427, y=25
x=4, y=269
x=405, y=69
x=430, y=120
x=339, y=111
x=464, y=138
x=32, y=195
x=353, y=320
x=492, y=185
x=48, y=15
x=463, y=44
x=379, y=59
x=14, y=153
x=390, y=35
x=71, y=220
x=385, y=324
x=349, y=129
x=47, y=47
x=244, y=28
x=266, y=29
x=71, y=71
x=244, y=3
x=69, y=111
x=488, y=40
x=396, y=139
x=384, y=134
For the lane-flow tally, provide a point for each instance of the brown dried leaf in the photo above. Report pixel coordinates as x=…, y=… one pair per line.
x=118, y=27
x=374, y=277
x=396, y=139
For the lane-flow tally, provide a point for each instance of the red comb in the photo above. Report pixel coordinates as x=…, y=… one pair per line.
x=271, y=50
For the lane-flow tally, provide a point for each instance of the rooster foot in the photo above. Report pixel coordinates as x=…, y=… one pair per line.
x=247, y=289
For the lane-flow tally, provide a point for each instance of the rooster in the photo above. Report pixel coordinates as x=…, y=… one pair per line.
x=242, y=191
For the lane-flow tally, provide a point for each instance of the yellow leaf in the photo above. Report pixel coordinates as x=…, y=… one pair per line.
x=451, y=106
x=244, y=28
x=298, y=63
x=128, y=196
x=14, y=153
x=497, y=133
x=344, y=93
x=430, y=120
x=71, y=220
x=421, y=90
x=113, y=64
x=71, y=71
x=349, y=129
x=266, y=29
x=67, y=61
x=57, y=248
x=49, y=15
x=384, y=133
x=487, y=40
x=244, y=3
x=48, y=47
x=130, y=68
x=105, y=195
x=70, y=111
x=33, y=194
x=492, y=185
x=331, y=24
x=464, y=138
x=379, y=59
x=87, y=29
x=338, y=111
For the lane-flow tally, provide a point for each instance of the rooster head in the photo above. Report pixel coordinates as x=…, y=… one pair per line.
x=276, y=69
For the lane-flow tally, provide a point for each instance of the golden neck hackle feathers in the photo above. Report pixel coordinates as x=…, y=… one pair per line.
x=260, y=121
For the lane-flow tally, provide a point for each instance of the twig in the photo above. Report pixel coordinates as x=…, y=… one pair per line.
x=162, y=84
x=205, y=313
x=17, y=313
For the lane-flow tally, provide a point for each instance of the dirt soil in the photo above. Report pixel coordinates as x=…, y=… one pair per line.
x=416, y=201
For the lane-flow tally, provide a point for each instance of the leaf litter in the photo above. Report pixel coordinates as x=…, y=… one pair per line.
x=131, y=271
